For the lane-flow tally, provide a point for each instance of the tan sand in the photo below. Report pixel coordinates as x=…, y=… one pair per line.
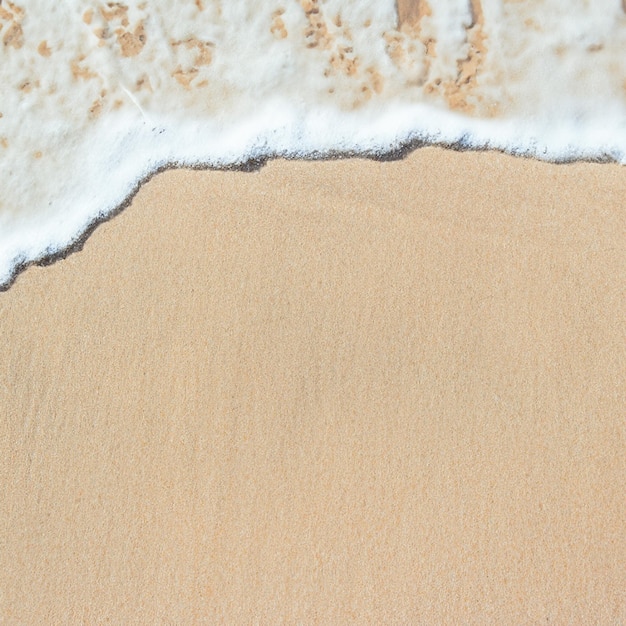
x=336, y=392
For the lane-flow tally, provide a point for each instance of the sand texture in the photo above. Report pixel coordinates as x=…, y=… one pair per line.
x=325, y=393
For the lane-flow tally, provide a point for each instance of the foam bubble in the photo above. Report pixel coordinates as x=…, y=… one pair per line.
x=95, y=96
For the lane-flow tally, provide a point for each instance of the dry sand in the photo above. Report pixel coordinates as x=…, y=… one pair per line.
x=335, y=392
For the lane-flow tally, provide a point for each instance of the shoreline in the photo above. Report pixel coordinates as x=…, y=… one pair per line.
x=256, y=163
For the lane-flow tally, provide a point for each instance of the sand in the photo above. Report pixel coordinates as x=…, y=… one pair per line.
x=333, y=392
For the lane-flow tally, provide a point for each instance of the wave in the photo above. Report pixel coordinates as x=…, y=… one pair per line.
x=97, y=96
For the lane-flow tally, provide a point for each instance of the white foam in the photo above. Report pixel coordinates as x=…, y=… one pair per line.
x=120, y=90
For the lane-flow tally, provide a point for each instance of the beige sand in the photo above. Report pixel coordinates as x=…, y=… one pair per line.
x=345, y=392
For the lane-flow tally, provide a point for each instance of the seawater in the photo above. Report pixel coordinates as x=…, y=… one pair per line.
x=96, y=96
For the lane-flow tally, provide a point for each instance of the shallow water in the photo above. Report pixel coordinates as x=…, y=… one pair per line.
x=96, y=96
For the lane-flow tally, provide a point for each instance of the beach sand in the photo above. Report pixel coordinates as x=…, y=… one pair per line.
x=329, y=392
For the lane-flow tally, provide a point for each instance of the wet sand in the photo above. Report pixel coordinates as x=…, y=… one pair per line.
x=334, y=392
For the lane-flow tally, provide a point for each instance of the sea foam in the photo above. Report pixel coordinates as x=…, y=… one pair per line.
x=97, y=96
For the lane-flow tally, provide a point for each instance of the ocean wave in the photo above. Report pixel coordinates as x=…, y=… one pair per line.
x=97, y=96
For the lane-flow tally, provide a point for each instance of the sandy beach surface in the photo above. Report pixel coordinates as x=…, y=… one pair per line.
x=331, y=392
